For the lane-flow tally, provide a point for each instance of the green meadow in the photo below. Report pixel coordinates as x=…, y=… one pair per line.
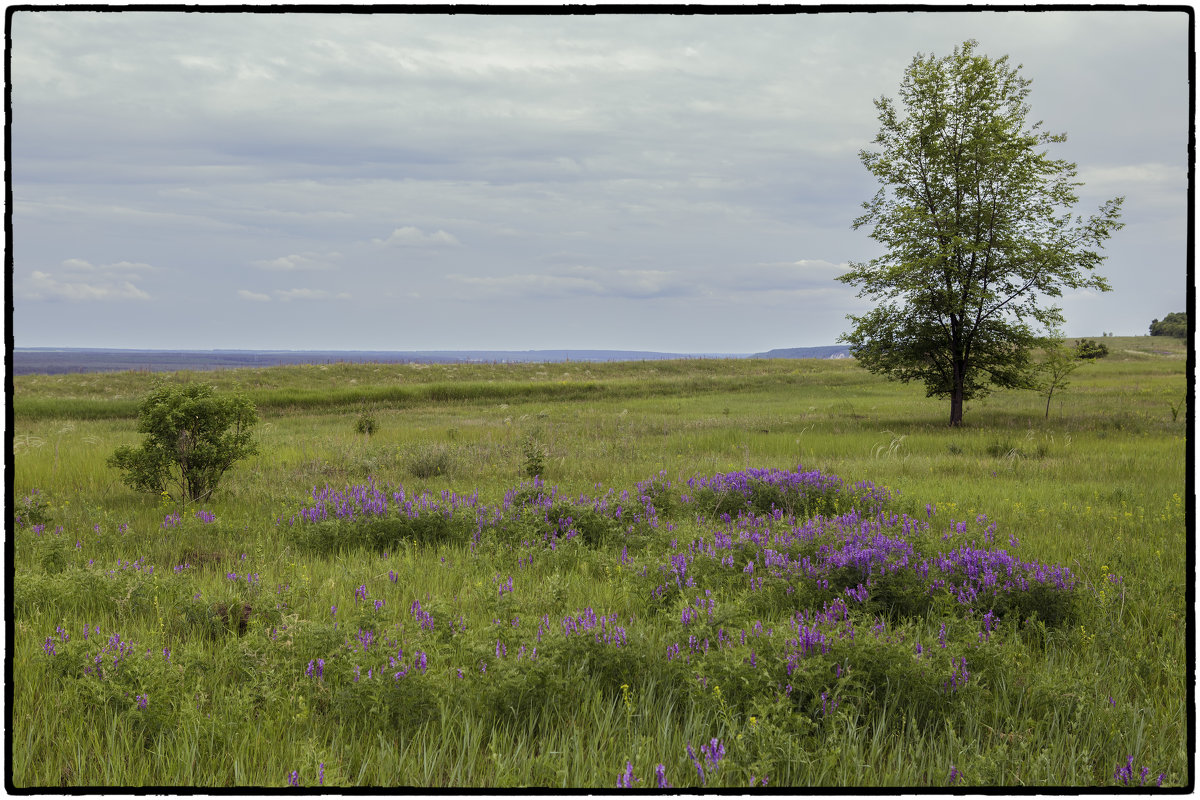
x=867, y=598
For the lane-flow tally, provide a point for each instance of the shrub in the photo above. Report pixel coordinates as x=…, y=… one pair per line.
x=535, y=456
x=365, y=424
x=192, y=438
x=1090, y=348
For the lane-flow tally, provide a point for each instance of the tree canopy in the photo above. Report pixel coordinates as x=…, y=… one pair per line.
x=977, y=227
x=1174, y=324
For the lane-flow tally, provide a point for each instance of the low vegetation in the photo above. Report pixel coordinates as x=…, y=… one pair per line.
x=694, y=574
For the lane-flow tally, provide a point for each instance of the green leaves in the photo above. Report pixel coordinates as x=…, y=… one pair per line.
x=193, y=436
x=977, y=226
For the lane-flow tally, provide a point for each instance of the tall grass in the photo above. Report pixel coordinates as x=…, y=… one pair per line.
x=1098, y=488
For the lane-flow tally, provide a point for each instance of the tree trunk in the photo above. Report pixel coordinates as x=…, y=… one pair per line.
x=956, y=407
x=956, y=396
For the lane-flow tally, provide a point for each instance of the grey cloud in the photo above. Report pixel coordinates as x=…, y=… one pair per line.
x=82, y=282
x=410, y=236
x=300, y=262
x=287, y=295
x=795, y=278
x=584, y=281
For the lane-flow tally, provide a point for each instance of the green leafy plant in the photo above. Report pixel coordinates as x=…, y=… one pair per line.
x=33, y=509
x=1090, y=348
x=534, y=455
x=193, y=437
x=365, y=424
x=1177, y=407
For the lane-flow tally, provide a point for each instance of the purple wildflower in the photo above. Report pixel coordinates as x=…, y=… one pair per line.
x=1123, y=774
x=696, y=762
x=626, y=779
x=714, y=751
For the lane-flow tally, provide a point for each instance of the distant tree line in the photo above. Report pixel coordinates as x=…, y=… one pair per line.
x=1174, y=324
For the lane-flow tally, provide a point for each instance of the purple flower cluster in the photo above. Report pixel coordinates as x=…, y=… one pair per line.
x=367, y=500
x=113, y=649
x=1124, y=775
x=603, y=629
x=853, y=553
x=959, y=677
x=795, y=484
x=712, y=753
x=423, y=617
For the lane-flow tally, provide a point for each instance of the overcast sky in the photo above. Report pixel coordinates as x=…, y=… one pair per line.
x=680, y=183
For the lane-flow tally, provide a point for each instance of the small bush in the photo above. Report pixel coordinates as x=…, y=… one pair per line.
x=365, y=424
x=535, y=457
x=192, y=438
x=1089, y=349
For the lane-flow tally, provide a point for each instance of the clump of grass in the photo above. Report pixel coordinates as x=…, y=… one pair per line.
x=1007, y=449
x=430, y=460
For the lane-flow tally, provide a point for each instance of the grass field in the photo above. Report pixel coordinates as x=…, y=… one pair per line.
x=728, y=573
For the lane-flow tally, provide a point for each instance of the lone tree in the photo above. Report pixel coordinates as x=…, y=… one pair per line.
x=1056, y=367
x=977, y=226
x=193, y=436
